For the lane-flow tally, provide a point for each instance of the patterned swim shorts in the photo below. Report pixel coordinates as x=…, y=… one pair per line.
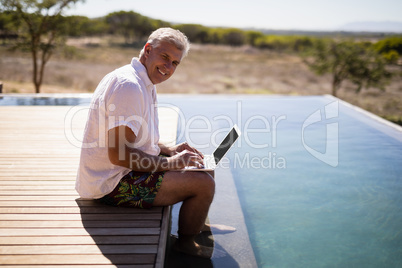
x=136, y=189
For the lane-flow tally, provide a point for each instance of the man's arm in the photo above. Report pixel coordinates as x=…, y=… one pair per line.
x=122, y=153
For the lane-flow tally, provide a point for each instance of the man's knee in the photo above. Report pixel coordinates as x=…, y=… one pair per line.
x=208, y=184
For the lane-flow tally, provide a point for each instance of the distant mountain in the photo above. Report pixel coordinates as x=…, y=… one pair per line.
x=372, y=26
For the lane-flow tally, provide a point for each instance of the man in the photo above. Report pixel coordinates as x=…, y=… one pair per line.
x=121, y=160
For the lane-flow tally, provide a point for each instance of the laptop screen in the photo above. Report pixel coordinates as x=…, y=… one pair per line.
x=225, y=145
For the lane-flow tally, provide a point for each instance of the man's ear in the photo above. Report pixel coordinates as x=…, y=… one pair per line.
x=147, y=49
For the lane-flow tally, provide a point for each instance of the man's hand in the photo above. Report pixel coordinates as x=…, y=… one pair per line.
x=185, y=147
x=182, y=155
x=185, y=158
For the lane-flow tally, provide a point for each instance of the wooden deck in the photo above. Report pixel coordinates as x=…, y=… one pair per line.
x=42, y=220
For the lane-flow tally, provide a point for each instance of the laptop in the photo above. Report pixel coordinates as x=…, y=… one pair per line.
x=212, y=161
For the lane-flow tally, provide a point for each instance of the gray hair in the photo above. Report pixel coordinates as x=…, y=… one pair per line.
x=170, y=35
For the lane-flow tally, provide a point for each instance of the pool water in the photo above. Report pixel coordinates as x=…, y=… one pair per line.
x=317, y=189
x=319, y=182
x=44, y=99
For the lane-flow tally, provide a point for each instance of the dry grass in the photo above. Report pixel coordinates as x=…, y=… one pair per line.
x=207, y=69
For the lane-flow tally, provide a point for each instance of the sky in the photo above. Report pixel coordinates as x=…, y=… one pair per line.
x=268, y=14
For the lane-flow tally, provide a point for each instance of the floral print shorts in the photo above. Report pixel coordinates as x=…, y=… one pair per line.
x=136, y=189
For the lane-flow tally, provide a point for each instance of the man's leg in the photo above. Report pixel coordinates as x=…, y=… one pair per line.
x=196, y=190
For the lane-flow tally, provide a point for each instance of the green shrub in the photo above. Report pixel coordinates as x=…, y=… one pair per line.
x=390, y=48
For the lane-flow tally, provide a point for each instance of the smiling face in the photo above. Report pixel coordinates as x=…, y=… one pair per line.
x=161, y=61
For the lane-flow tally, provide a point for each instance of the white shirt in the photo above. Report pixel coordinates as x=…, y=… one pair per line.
x=126, y=97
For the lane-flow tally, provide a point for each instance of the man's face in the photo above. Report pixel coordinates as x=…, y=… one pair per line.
x=161, y=61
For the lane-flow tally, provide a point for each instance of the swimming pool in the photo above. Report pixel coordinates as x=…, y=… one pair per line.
x=319, y=181
x=313, y=182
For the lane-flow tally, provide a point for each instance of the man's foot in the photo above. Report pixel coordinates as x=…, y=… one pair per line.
x=218, y=228
x=188, y=246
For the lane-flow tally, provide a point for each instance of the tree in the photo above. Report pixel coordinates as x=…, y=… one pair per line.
x=390, y=48
x=43, y=28
x=234, y=37
x=346, y=60
x=196, y=33
x=124, y=23
x=83, y=26
x=132, y=26
x=252, y=36
x=8, y=27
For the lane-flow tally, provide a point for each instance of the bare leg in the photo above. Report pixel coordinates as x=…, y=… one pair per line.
x=196, y=190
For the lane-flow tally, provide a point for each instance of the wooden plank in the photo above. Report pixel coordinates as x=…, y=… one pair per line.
x=80, y=240
x=83, y=258
x=30, y=187
x=43, y=173
x=78, y=231
x=68, y=158
x=39, y=193
x=84, y=266
x=37, y=198
x=76, y=210
x=36, y=178
x=78, y=249
x=74, y=203
x=76, y=217
x=79, y=224
x=70, y=183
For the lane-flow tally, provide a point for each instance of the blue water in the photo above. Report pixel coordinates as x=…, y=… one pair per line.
x=318, y=187
x=301, y=211
x=44, y=99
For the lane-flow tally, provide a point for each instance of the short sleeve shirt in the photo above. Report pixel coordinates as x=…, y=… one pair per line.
x=124, y=97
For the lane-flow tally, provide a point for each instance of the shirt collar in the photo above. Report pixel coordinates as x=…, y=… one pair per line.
x=142, y=72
